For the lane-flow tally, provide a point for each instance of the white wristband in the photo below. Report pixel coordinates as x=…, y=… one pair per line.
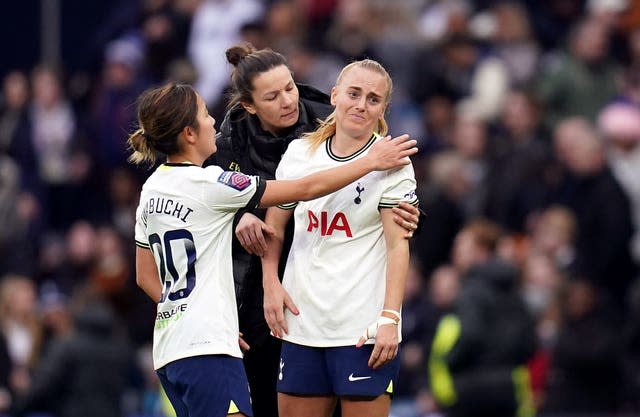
x=372, y=330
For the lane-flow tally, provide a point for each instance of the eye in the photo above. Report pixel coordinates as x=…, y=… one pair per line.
x=270, y=98
x=374, y=100
x=353, y=94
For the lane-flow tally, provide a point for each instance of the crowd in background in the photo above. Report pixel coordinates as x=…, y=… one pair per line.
x=527, y=115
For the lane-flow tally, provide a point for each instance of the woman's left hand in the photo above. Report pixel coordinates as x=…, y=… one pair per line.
x=386, y=346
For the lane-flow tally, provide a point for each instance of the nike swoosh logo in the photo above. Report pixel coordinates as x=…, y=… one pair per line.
x=357, y=378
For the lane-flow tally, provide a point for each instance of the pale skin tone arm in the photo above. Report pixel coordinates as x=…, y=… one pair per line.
x=251, y=231
x=383, y=155
x=386, y=346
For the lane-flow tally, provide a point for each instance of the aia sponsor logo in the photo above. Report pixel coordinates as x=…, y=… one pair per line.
x=320, y=222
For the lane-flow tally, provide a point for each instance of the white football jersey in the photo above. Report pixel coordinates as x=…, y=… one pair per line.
x=336, y=269
x=185, y=217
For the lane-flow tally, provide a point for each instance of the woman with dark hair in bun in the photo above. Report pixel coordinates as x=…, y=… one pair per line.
x=183, y=236
x=267, y=110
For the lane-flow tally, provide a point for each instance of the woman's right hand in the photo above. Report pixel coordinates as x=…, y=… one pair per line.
x=387, y=153
x=276, y=299
x=250, y=233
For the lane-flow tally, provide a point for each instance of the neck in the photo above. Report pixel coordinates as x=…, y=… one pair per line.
x=344, y=145
x=182, y=158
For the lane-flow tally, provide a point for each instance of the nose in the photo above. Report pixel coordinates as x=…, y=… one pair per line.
x=287, y=100
x=361, y=103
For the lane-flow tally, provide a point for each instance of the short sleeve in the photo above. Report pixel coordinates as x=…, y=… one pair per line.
x=141, y=228
x=232, y=190
x=400, y=185
x=289, y=167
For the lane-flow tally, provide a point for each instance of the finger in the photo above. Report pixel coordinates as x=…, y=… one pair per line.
x=373, y=359
x=281, y=323
x=268, y=229
x=361, y=342
x=243, y=344
x=288, y=303
x=261, y=241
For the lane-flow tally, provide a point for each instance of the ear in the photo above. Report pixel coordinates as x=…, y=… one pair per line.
x=188, y=134
x=248, y=107
x=334, y=93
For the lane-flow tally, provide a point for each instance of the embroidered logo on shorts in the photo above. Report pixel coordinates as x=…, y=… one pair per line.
x=234, y=180
x=353, y=378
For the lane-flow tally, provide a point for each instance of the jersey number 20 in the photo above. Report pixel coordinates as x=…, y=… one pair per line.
x=164, y=250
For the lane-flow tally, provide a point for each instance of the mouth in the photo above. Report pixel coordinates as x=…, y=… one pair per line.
x=290, y=114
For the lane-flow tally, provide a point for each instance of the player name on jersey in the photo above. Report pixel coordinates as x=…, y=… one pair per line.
x=160, y=205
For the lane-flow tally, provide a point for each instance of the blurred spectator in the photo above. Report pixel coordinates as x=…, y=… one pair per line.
x=16, y=129
x=542, y=283
x=84, y=374
x=443, y=18
x=554, y=234
x=21, y=327
x=215, y=27
x=604, y=230
x=619, y=123
x=62, y=167
x=478, y=357
x=455, y=68
x=123, y=196
x=112, y=110
x=508, y=33
x=349, y=34
x=581, y=80
x=585, y=378
x=16, y=246
x=519, y=156
x=285, y=24
x=469, y=138
x=441, y=194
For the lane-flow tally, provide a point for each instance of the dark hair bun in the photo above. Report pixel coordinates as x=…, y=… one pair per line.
x=237, y=53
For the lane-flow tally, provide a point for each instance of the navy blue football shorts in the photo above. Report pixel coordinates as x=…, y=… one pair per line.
x=341, y=371
x=206, y=386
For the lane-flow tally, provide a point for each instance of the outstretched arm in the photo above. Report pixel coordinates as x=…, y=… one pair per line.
x=276, y=299
x=385, y=154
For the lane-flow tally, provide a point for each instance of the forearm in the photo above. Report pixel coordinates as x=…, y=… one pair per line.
x=397, y=268
x=397, y=261
x=277, y=219
x=315, y=185
x=147, y=274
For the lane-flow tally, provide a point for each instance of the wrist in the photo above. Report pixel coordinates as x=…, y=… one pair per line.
x=391, y=314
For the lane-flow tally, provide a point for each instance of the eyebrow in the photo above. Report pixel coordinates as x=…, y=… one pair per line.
x=360, y=89
x=276, y=91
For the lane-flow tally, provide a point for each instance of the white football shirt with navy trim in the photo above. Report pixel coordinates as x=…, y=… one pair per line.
x=336, y=269
x=185, y=217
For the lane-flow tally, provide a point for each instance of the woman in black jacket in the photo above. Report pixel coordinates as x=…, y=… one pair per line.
x=266, y=112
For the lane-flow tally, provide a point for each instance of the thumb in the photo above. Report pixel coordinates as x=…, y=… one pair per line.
x=268, y=229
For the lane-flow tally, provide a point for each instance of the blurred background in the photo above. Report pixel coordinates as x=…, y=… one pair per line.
x=527, y=115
